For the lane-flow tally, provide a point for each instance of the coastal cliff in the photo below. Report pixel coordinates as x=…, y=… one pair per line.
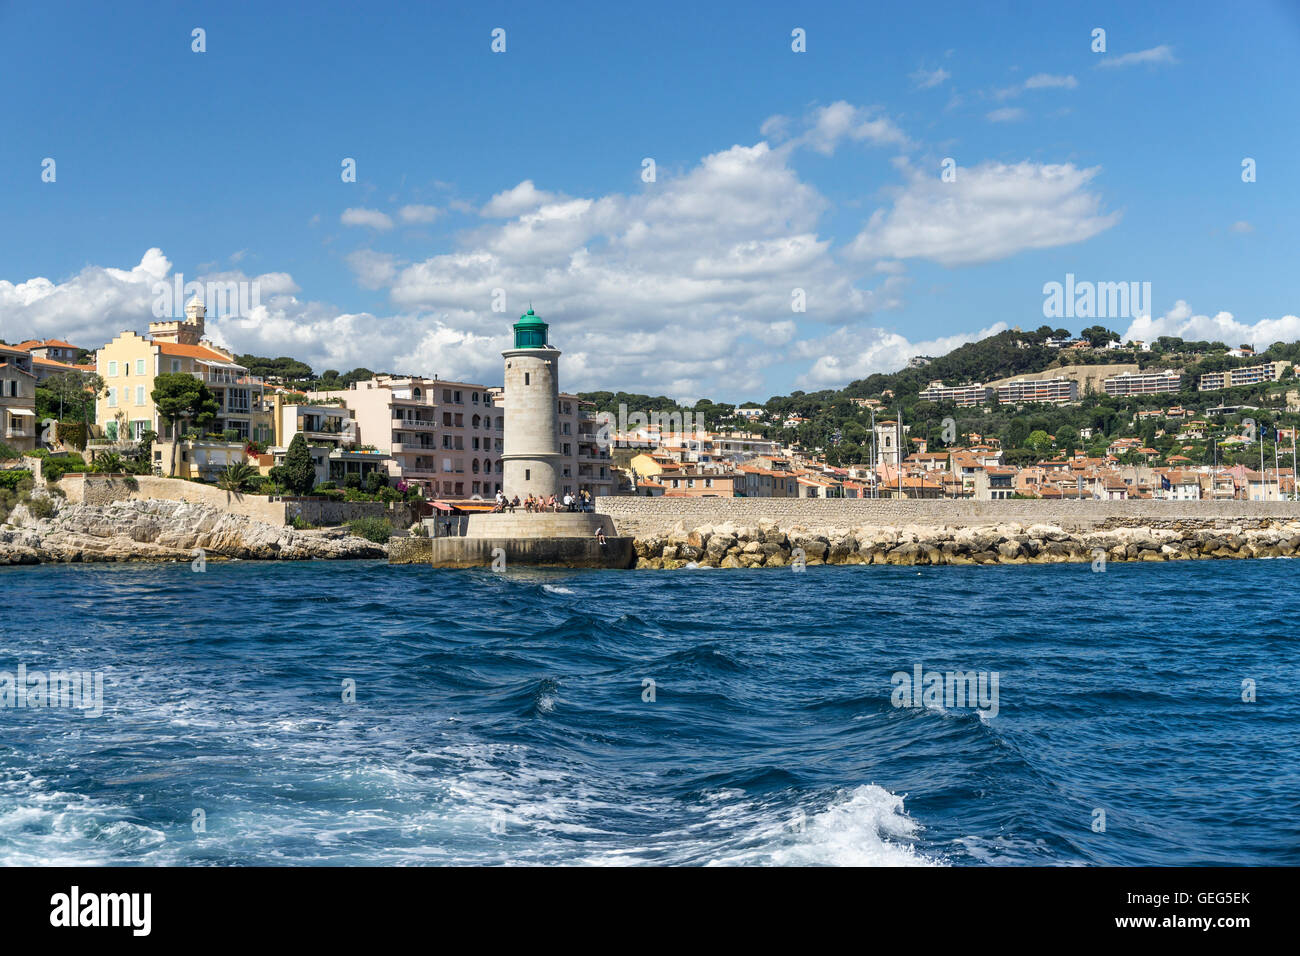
x=158, y=530
x=767, y=544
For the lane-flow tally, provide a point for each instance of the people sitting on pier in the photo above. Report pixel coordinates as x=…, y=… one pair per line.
x=600, y=536
x=568, y=501
x=514, y=503
x=551, y=504
x=500, y=504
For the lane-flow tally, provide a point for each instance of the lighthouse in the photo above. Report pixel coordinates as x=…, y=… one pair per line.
x=531, y=460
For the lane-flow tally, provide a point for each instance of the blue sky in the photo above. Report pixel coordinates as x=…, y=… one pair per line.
x=522, y=171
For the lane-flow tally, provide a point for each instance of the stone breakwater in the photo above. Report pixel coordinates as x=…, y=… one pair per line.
x=159, y=530
x=767, y=544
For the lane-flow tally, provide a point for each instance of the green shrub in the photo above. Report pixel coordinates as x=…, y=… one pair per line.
x=7, y=453
x=41, y=507
x=301, y=523
x=56, y=466
x=71, y=433
x=11, y=478
x=377, y=530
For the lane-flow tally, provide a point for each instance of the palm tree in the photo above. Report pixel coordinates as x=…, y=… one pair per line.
x=110, y=461
x=236, y=476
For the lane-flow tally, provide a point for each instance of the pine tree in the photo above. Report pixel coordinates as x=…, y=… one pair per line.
x=299, y=472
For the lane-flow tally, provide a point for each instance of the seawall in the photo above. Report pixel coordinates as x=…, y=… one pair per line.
x=643, y=516
x=100, y=490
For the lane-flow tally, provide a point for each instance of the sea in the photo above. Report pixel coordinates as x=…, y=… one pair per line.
x=356, y=713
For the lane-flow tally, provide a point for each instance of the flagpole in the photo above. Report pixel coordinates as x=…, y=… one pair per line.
x=1277, y=468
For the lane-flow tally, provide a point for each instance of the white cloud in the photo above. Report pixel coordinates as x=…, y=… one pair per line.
x=991, y=212
x=929, y=79
x=1007, y=114
x=1221, y=327
x=373, y=270
x=678, y=288
x=93, y=306
x=1242, y=226
x=825, y=127
x=1154, y=56
x=1039, y=81
x=371, y=218
x=418, y=213
x=1047, y=81
x=513, y=202
x=853, y=353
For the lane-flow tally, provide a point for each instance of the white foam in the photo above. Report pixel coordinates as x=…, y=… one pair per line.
x=866, y=826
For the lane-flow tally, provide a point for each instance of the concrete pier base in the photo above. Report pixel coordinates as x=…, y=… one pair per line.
x=556, y=540
x=470, y=552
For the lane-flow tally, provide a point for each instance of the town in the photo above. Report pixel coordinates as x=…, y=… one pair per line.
x=1103, y=420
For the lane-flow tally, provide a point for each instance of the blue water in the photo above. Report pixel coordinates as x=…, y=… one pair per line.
x=501, y=719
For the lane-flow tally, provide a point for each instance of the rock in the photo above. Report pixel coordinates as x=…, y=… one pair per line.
x=159, y=530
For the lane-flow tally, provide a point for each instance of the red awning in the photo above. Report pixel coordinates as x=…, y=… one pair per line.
x=441, y=506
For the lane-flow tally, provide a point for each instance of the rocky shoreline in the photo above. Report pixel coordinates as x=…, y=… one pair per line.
x=769, y=545
x=158, y=530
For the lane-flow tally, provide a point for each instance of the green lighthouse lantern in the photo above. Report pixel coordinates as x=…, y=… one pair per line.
x=530, y=331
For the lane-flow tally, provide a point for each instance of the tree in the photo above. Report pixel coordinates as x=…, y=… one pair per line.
x=109, y=463
x=74, y=389
x=235, y=476
x=1038, y=441
x=180, y=397
x=1098, y=335
x=299, y=474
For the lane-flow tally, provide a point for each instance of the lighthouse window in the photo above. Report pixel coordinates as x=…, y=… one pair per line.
x=528, y=474
x=525, y=378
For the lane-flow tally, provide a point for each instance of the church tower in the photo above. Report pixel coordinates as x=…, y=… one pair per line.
x=531, y=456
x=189, y=332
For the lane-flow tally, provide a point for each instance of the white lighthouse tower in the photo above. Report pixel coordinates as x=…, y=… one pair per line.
x=531, y=460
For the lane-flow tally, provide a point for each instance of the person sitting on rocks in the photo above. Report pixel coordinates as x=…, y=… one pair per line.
x=600, y=536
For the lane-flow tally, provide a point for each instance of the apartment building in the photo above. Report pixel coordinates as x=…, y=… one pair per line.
x=130, y=364
x=17, y=399
x=700, y=484
x=1248, y=375
x=758, y=482
x=732, y=444
x=993, y=484
x=331, y=435
x=1143, y=383
x=1051, y=391
x=964, y=396
x=54, y=350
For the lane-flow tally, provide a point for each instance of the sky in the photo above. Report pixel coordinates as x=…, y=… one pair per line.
x=698, y=208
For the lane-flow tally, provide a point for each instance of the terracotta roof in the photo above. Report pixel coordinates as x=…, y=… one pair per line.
x=192, y=351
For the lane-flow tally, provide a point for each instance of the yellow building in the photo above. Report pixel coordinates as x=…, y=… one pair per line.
x=129, y=366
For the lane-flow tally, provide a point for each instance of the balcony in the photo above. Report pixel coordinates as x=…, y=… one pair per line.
x=414, y=424
x=411, y=448
x=225, y=376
